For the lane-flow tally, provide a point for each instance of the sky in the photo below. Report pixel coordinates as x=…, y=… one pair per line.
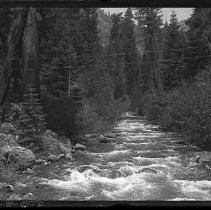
x=182, y=13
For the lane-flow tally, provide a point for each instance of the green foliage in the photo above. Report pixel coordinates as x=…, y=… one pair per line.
x=173, y=55
x=105, y=24
x=186, y=109
x=32, y=118
x=197, y=51
x=129, y=49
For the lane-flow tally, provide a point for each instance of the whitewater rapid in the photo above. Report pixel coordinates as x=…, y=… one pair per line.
x=143, y=163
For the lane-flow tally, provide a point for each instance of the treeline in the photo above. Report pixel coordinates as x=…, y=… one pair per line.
x=75, y=70
x=176, y=73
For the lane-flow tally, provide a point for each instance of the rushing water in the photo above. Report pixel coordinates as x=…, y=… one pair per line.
x=142, y=164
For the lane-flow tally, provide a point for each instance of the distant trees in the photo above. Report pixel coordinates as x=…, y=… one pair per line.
x=129, y=50
x=173, y=56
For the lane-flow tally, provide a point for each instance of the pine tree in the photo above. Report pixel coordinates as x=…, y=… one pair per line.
x=149, y=22
x=172, y=74
x=115, y=56
x=32, y=118
x=58, y=56
x=129, y=50
x=197, y=52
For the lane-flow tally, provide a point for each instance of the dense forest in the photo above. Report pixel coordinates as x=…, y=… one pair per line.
x=75, y=71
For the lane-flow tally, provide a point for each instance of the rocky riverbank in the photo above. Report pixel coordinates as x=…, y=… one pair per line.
x=22, y=167
x=17, y=163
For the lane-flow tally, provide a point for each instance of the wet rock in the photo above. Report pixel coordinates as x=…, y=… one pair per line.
x=91, y=135
x=146, y=163
x=52, y=158
x=110, y=135
x=105, y=141
x=46, y=163
x=39, y=162
x=60, y=156
x=83, y=168
x=20, y=185
x=9, y=188
x=80, y=146
x=15, y=197
x=21, y=157
x=181, y=142
x=69, y=156
x=28, y=196
x=203, y=157
x=29, y=171
x=148, y=170
x=7, y=128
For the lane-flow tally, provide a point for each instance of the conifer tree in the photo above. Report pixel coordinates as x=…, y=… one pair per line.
x=32, y=117
x=115, y=56
x=172, y=55
x=149, y=22
x=129, y=50
x=197, y=52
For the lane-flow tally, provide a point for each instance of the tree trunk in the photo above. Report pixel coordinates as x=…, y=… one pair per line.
x=31, y=74
x=15, y=37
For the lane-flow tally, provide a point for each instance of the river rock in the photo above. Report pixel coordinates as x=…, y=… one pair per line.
x=15, y=197
x=110, y=135
x=52, y=158
x=9, y=188
x=46, y=163
x=69, y=156
x=60, y=156
x=203, y=157
x=148, y=170
x=29, y=171
x=21, y=157
x=80, y=146
x=39, y=161
x=105, y=141
x=20, y=185
x=51, y=145
x=28, y=196
x=91, y=135
x=7, y=128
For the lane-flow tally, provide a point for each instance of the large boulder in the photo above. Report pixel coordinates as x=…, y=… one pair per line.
x=7, y=128
x=8, y=140
x=80, y=146
x=52, y=146
x=20, y=157
x=203, y=157
x=110, y=135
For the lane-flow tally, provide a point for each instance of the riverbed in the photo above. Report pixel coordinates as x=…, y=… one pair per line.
x=141, y=163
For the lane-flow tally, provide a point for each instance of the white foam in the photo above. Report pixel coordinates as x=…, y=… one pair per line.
x=195, y=189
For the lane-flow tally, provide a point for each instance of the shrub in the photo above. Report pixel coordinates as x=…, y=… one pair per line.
x=101, y=112
x=186, y=109
x=60, y=115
